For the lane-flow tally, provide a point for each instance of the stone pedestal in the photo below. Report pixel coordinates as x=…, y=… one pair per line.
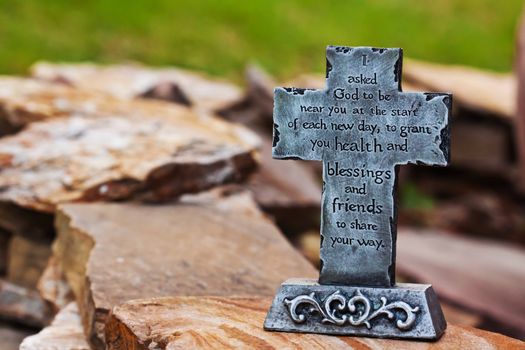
x=402, y=311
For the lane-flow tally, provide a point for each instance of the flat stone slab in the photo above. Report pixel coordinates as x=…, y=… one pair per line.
x=64, y=333
x=480, y=275
x=149, y=150
x=402, y=311
x=205, y=245
x=236, y=323
x=129, y=81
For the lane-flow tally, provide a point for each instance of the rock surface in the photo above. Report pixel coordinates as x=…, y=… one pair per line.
x=236, y=323
x=22, y=305
x=208, y=245
x=53, y=286
x=129, y=81
x=27, y=259
x=148, y=150
x=472, y=88
x=64, y=333
x=484, y=276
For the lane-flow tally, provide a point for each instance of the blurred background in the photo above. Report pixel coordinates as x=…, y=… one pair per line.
x=462, y=228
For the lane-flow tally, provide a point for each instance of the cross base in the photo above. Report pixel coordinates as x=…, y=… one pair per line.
x=403, y=311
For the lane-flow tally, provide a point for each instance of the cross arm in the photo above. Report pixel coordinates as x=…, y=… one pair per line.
x=293, y=107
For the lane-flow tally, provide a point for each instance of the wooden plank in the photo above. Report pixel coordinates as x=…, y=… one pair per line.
x=481, y=275
x=236, y=323
x=215, y=244
x=128, y=81
x=64, y=333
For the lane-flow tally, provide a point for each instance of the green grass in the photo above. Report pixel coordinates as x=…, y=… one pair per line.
x=221, y=36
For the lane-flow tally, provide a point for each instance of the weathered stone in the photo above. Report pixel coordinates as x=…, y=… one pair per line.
x=11, y=337
x=287, y=191
x=4, y=245
x=128, y=81
x=205, y=245
x=141, y=149
x=24, y=101
x=27, y=259
x=217, y=323
x=53, y=286
x=28, y=223
x=472, y=88
x=64, y=333
x=22, y=305
x=479, y=275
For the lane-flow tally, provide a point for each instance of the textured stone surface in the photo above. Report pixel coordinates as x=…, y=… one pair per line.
x=27, y=259
x=147, y=150
x=24, y=101
x=64, y=333
x=10, y=337
x=481, y=275
x=22, y=305
x=472, y=88
x=128, y=81
x=53, y=286
x=219, y=323
x=211, y=244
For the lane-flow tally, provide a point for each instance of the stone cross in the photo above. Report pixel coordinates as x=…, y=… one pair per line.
x=362, y=127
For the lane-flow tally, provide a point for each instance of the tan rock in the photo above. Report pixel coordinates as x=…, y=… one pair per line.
x=128, y=81
x=472, y=88
x=53, y=286
x=112, y=253
x=483, y=276
x=22, y=305
x=24, y=101
x=12, y=337
x=27, y=259
x=64, y=333
x=142, y=149
x=236, y=323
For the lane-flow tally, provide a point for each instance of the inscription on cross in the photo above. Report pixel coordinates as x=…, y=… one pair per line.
x=362, y=127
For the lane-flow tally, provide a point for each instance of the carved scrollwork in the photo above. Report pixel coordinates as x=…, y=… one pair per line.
x=338, y=311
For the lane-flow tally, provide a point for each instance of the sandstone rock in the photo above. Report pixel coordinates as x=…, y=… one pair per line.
x=483, y=276
x=287, y=191
x=127, y=149
x=22, y=305
x=27, y=259
x=236, y=323
x=11, y=337
x=472, y=88
x=111, y=253
x=24, y=101
x=53, y=286
x=128, y=81
x=64, y=333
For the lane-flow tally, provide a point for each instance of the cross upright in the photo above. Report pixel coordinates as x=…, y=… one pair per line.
x=362, y=127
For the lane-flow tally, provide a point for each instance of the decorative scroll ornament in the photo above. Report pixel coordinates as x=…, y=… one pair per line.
x=335, y=305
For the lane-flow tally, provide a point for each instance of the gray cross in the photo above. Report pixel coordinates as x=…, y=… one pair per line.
x=362, y=127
